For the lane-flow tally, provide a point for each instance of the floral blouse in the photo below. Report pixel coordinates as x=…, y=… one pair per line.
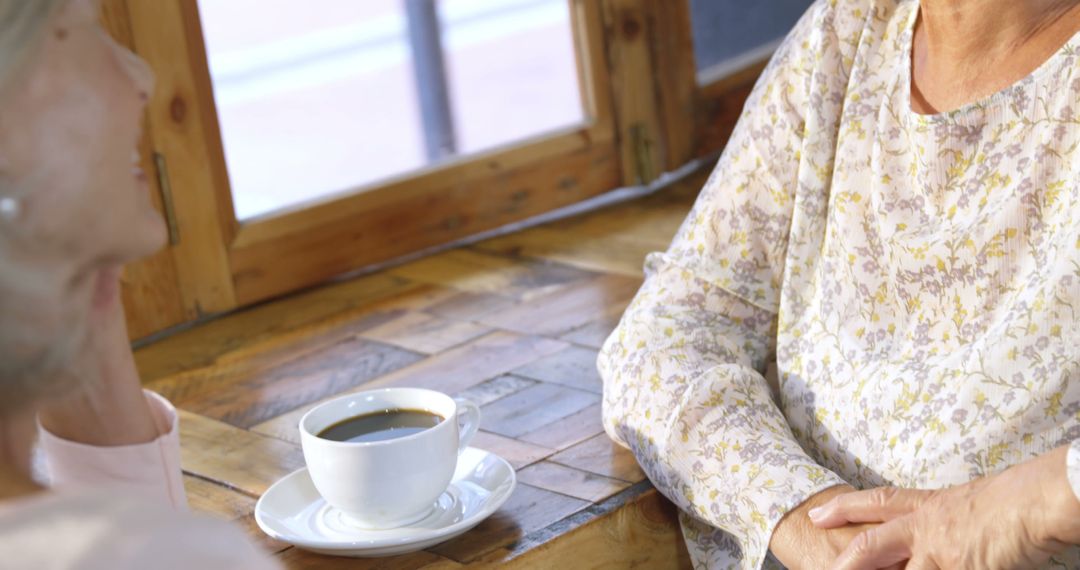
x=915, y=277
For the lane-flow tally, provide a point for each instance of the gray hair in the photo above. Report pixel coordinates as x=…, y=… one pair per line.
x=34, y=354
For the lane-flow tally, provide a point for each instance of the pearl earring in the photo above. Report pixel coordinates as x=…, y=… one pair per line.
x=9, y=208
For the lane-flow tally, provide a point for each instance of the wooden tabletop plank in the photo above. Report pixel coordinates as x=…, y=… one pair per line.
x=481, y=272
x=533, y=408
x=593, y=334
x=568, y=431
x=574, y=366
x=495, y=389
x=304, y=560
x=567, y=309
x=209, y=498
x=202, y=345
x=527, y=510
x=469, y=306
x=452, y=371
x=602, y=456
x=636, y=529
x=518, y=453
x=424, y=333
x=236, y=458
x=246, y=396
x=611, y=256
x=572, y=482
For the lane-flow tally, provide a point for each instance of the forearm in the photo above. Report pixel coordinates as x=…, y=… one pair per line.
x=682, y=390
x=798, y=544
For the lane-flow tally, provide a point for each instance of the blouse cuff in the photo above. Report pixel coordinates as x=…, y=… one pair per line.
x=151, y=469
x=1072, y=467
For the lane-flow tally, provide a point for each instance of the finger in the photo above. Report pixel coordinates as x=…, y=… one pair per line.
x=880, y=547
x=921, y=564
x=882, y=504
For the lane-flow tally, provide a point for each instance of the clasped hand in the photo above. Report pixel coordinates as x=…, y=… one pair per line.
x=1016, y=519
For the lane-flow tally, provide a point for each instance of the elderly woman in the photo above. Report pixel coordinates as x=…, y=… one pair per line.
x=72, y=208
x=896, y=220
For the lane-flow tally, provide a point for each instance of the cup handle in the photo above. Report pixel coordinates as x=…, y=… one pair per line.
x=468, y=416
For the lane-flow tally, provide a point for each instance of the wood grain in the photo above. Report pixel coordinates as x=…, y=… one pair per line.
x=236, y=458
x=672, y=48
x=527, y=510
x=304, y=560
x=571, y=482
x=267, y=327
x=424, y=333
x=533, y=408
x=209, y=498
x=244, y=396
x=518, y=453
x=573, y=366
x=496, y=389
x=635, y=92
x=452, y=371
x=594, y=334
x=639, y=533
x=568, y=431
x=481, y=272
x=184, y=129
x=602, y=456
x=468, y=306
x=150, y=287
x=569, y=308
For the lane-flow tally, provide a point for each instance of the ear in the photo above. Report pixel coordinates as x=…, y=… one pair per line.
x=9, y=209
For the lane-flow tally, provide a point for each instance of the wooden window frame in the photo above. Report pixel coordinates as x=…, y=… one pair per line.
x=646, y=112
x=225, y=263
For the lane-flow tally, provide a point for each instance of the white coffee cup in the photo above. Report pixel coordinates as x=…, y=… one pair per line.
x=393, y=482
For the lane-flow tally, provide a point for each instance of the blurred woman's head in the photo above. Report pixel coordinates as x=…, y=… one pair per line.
x=72, y=200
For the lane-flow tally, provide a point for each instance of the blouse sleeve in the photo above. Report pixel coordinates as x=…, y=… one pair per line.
x=151, y=469
x=683, y=382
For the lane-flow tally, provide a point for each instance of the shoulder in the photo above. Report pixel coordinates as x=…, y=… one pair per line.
x=111, y=530
x=844, y=22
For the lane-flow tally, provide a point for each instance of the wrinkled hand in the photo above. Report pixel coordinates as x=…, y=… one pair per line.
x=1016, y=519
x=109, y=407
x=799, y=545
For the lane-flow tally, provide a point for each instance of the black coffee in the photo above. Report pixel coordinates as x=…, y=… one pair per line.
x=381, y=426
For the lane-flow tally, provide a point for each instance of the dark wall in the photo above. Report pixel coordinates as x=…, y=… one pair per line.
x=727, y=28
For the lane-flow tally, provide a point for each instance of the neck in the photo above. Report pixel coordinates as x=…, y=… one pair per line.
x=17, y=432
x=966, y=49
x=970, y=30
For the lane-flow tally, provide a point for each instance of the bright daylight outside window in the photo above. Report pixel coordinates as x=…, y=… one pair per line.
x=320, y=98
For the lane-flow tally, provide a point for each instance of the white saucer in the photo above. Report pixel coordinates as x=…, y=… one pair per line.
x=293, y=511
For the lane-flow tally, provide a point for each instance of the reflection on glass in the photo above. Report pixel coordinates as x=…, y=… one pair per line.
x=319, y=98
x=729, y=34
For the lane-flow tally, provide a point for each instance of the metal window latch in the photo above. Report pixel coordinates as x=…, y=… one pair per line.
x=166, y=198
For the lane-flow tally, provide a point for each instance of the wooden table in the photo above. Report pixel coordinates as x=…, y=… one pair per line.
x=513, y=323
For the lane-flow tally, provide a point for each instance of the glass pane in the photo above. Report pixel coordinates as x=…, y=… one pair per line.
x=319, y=98
x=729, y=34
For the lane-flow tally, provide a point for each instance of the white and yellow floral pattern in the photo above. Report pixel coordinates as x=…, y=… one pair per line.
x=917, y=279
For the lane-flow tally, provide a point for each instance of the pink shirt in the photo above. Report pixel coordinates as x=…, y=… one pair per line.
x=119, y=508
